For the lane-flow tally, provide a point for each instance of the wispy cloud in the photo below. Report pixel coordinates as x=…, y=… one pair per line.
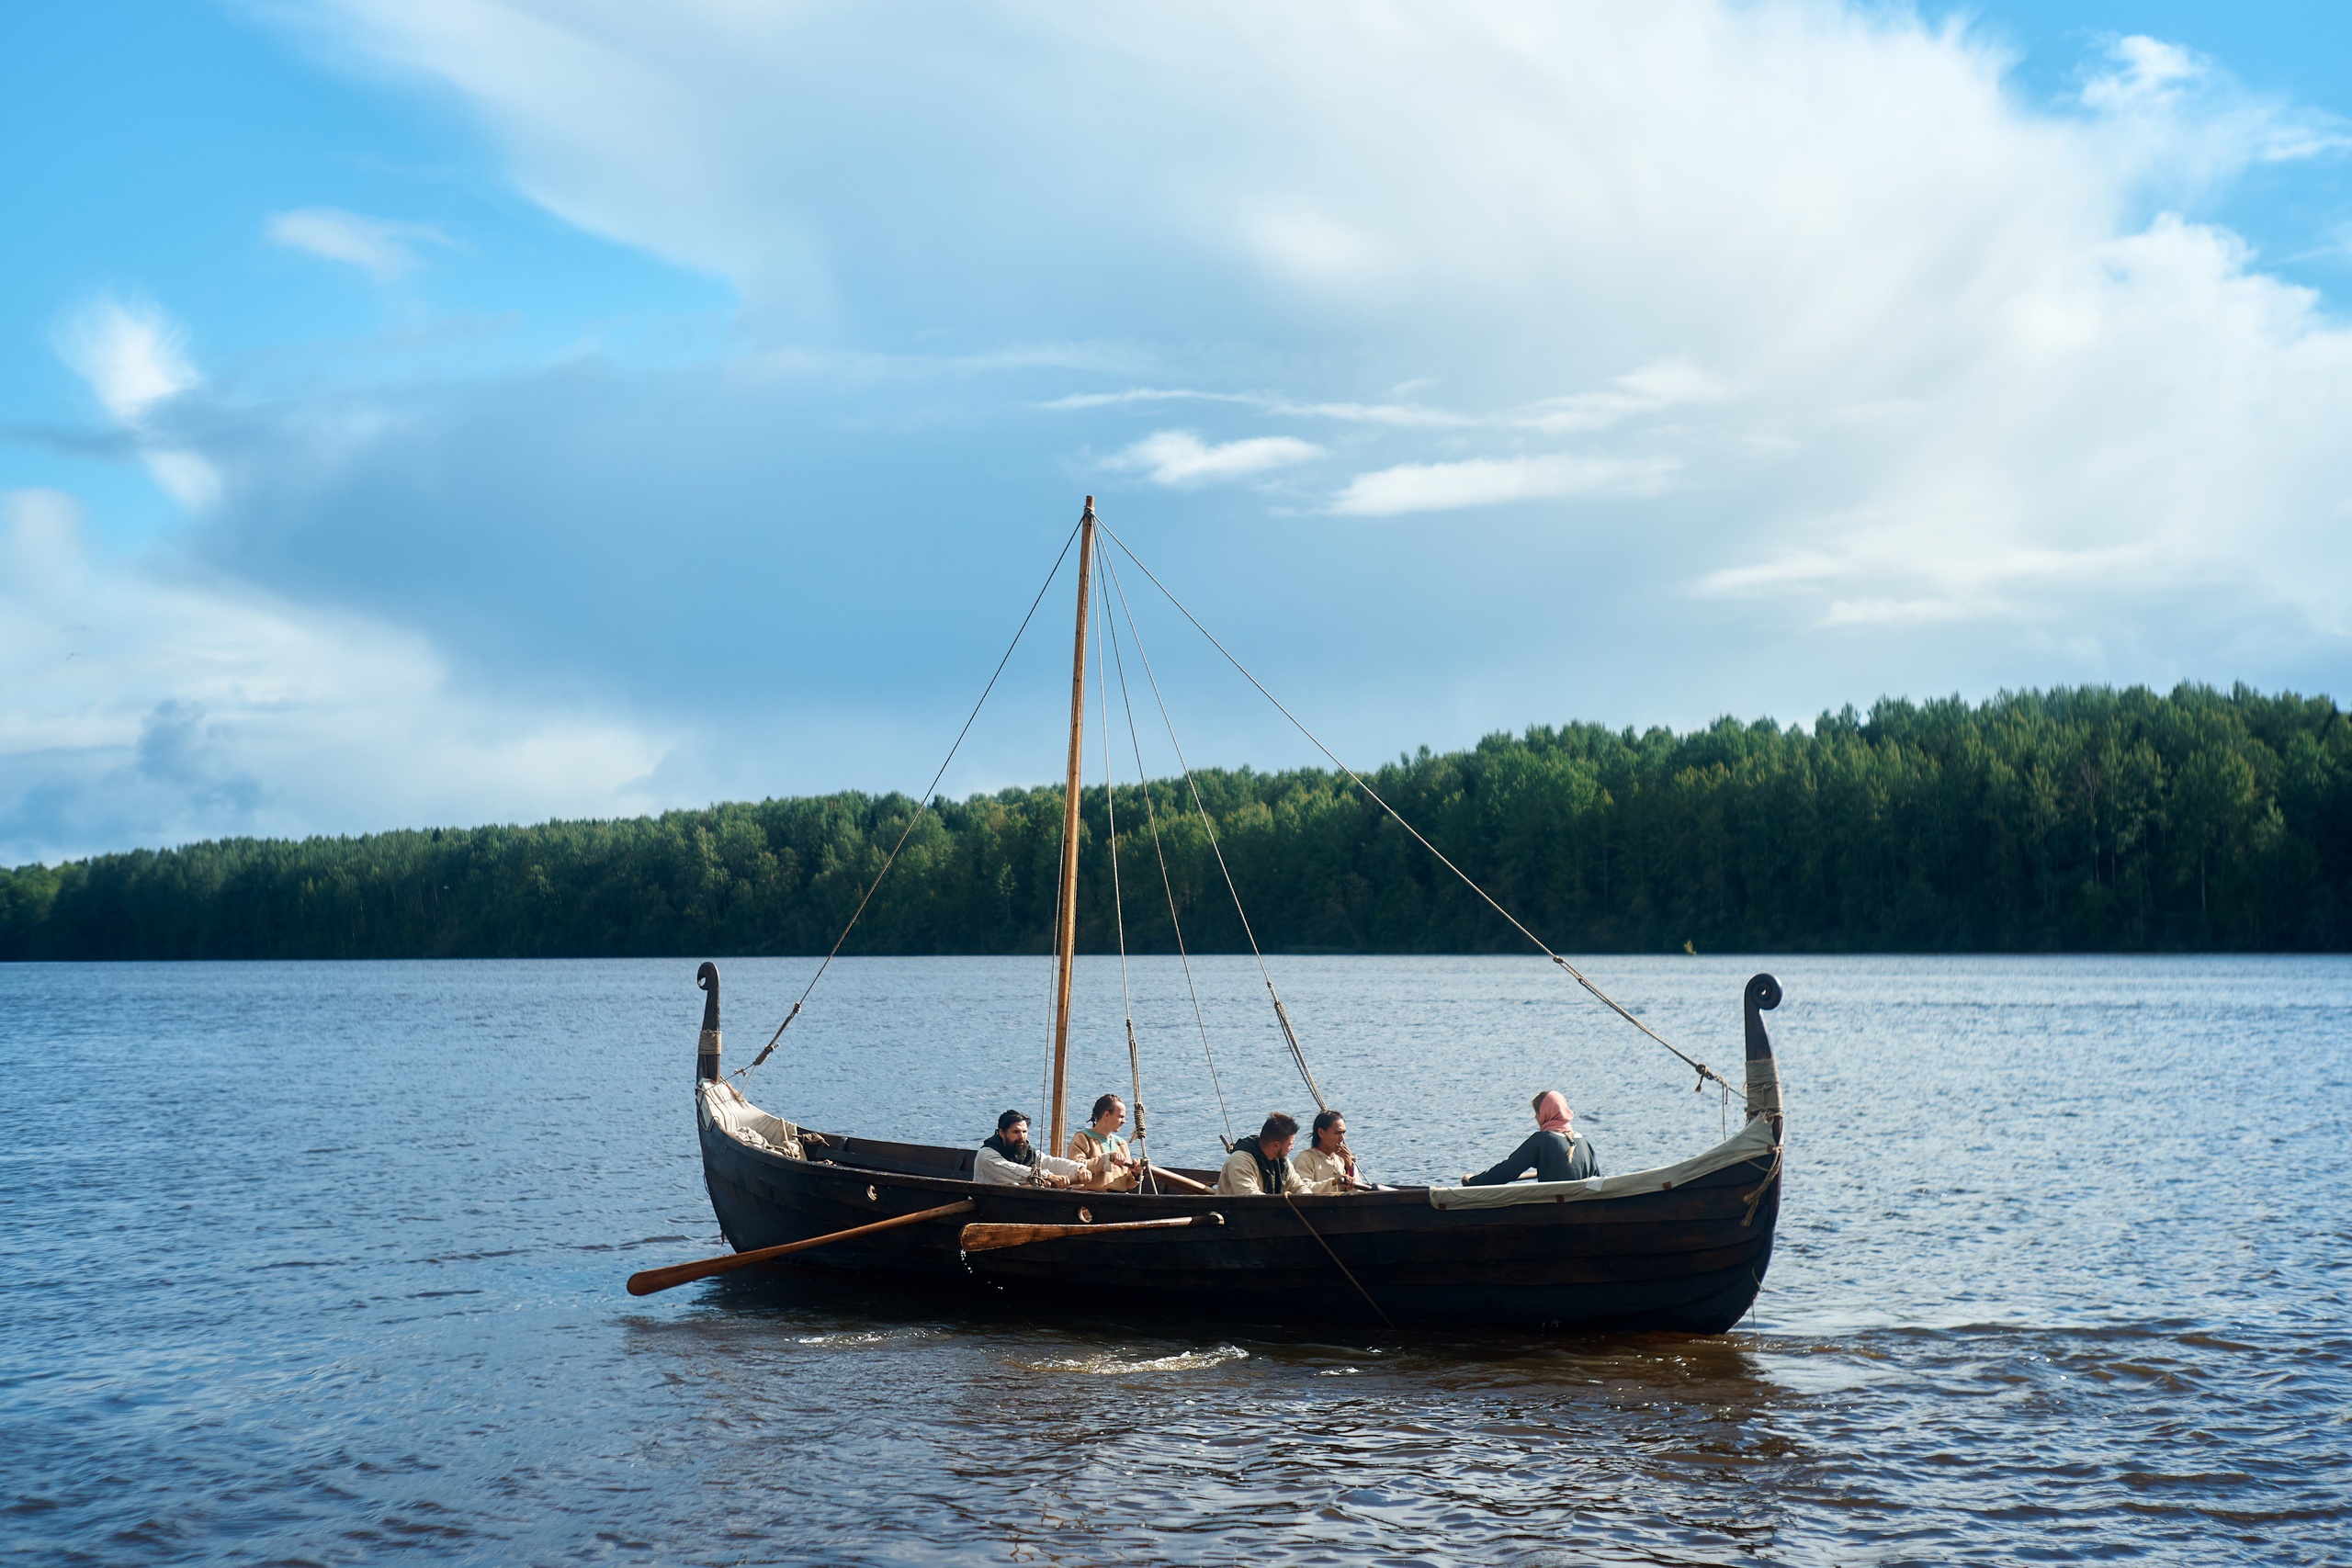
x=133, y=356
x=1934, y=570
x=1180, y=457
x=384, y=248
x=1491, y=481
x=2175, y=110
x=1866, y=322
x=1078, y=402
x=140, y=705
x=1652, y=388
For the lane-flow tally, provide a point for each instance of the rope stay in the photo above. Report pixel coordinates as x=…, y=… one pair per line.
x=1335, y=1259
x=1705, y=1072
x=1045, y=1068
x=1290, y=1035
x=1159, y=852
x=923, y=804
x=1118, y=902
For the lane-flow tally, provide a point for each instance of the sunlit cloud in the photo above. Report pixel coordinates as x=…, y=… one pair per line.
x=1844, y=358
x=1491, y=481
x=1651, y=390
x=140, y=704
x=2185, y=121
x=187, y=477
x=131, y=355
x=134, y=359
x=1179, y=457
x=381, y=247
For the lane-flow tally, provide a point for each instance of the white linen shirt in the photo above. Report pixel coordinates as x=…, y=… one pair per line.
x=1320, y=1172
x=990, y=1166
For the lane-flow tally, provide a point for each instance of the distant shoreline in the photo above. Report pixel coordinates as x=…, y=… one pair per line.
x=2077, y=820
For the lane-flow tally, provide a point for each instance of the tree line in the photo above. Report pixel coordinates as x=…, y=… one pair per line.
x=2074, y=819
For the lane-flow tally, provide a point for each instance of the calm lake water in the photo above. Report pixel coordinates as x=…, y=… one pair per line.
x=322, y=1263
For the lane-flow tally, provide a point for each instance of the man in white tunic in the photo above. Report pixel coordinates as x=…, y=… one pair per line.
x=1010, y=1159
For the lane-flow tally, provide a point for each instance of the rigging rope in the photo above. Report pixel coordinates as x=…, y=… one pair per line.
x=1119, y=903
x=1167, y=882
x=1282, y=1017
x=1053, y=975
x=1704, y=1071
x=922, y=805
x=1335, y=1257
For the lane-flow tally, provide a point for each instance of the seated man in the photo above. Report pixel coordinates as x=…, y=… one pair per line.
x=1260, y=1166
x=1008, y=1158
x=1098, y=1146
x=1553, y=1151
x=1329, y=1165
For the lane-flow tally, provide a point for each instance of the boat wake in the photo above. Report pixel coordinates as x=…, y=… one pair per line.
x=1108, y=1364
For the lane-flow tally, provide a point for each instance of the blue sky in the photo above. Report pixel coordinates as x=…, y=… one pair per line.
x=450, y=411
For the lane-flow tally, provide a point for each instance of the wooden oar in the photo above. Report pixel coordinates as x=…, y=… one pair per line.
x=1161, y=1173
x=990, y=1238
x=652, y=1280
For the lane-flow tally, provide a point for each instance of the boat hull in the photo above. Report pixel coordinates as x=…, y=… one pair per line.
x=1691, y=1259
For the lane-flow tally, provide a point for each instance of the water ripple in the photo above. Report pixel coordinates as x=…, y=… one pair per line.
x=2062, y=1276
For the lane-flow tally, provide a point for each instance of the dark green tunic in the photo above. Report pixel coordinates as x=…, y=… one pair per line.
x=1550, y=1155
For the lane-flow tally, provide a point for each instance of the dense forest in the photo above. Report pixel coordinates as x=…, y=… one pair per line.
x=2072, y=819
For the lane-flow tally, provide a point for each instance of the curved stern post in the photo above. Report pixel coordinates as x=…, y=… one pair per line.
x=1763, y=1072
x=707, y=1048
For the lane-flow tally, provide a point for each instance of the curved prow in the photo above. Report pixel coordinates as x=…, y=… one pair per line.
x=707, y=1048
x=1763, y=1072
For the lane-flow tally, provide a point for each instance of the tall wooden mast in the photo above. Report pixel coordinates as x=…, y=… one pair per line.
x=1066, y=939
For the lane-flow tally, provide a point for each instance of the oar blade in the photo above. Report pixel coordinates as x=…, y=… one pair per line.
x=647, y=1282
x=996, y=1237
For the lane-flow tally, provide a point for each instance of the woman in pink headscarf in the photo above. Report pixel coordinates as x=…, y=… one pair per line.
x=1553, y=1151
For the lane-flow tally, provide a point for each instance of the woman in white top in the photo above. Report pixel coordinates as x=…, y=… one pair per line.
x=1328, y=1165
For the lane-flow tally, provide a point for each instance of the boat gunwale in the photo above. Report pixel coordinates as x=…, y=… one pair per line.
x=1411, y=1199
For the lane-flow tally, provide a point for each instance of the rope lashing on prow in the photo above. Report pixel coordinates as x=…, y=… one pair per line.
x=1705, y=1072
x=921, y=806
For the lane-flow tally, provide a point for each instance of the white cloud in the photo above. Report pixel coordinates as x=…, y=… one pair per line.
x=1650, y=389
x=1081, y=401
x=380, y=247
x=187, y=477
x=1490, y=481
x=2173, y=117
x=139, y=704
x=2150, y=76
x=1179, y=457
x=133, y=356
x=1916, y=351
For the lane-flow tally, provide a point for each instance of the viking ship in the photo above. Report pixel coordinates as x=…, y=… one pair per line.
x=1683, y=1247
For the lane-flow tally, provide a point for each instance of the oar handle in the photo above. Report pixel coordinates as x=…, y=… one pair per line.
x=652, y=1280
x=990, y=1238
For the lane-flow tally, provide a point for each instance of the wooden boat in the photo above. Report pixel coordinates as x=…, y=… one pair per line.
x=1683, y=1247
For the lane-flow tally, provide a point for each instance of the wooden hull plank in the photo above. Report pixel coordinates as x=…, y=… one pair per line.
x=1680, y=1261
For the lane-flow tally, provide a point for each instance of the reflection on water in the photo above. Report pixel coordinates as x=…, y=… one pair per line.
x=321, y=1264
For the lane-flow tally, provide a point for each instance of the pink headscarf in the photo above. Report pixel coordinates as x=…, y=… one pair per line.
x=1551, y=1111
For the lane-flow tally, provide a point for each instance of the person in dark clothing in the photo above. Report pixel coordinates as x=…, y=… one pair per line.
x=1260, y=1166
x=1553, y=1151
